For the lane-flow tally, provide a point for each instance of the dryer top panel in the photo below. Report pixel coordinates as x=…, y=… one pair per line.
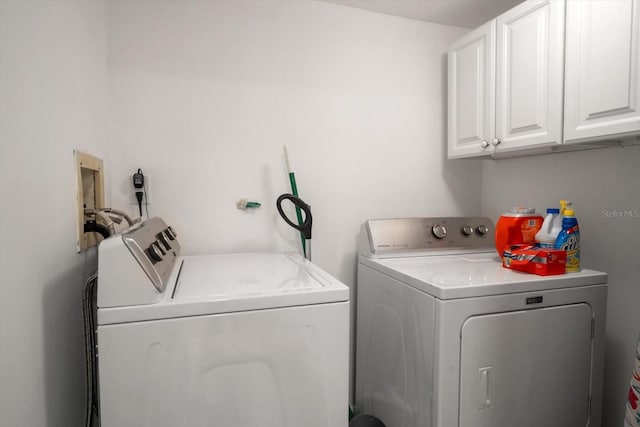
x=451, y=276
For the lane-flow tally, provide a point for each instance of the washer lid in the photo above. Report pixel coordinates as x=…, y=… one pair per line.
x=451, y=276
x=239, y=276
x=215, y=284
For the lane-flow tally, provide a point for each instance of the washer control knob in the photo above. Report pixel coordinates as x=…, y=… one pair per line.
x=170, y=233
x=482, y=230
x=439, y=231
x=467, y=230
x=162, y=238
x=159, y=245
x=155, y=252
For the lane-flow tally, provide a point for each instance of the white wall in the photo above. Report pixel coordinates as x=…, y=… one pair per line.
x=204, y=95
x=53, y=82
x=604, y=185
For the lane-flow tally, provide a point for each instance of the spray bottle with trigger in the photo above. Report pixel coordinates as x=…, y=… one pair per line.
x=569, y=238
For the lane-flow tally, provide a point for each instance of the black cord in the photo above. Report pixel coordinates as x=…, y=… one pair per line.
x=139, y=195
x=89, y=308
x=146, y=200
x=93, y=227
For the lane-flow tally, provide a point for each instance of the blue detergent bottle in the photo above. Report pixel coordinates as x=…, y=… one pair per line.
x=569, y=238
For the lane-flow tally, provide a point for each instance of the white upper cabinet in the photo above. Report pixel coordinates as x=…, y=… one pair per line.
x=472, y=92
x=529, y=75
x=602, y=82
x=505, y=82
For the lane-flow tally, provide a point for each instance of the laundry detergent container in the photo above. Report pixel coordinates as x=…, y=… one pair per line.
x=517, y=226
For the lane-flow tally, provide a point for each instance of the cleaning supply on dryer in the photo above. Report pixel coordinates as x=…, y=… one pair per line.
x=551, y=227
x=531, y=259
x=569, y=238
x=517, y=226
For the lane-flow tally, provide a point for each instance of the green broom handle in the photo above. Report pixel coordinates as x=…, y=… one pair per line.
x=294, y=190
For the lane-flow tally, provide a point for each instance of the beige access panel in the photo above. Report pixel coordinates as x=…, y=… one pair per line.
x=90, y=172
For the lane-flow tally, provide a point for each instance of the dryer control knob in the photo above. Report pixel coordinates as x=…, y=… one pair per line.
x=439, y=231
x=467, y=230
x=155, y=252
x=482, y=230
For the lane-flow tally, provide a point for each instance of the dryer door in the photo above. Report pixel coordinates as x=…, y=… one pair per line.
x=526, y=368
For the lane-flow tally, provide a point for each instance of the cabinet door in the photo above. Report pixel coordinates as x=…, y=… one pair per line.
x=471, y=93
x=529, y=75
x=602, y=71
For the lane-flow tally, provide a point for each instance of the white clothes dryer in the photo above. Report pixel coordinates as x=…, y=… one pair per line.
x=239, y=340
x=448, y=337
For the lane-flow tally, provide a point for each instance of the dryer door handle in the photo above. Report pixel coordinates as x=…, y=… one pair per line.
x=485, y=387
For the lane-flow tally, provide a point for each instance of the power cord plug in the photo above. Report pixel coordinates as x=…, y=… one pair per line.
x=138, y=184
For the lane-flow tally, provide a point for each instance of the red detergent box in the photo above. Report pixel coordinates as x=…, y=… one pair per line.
x=531, y=259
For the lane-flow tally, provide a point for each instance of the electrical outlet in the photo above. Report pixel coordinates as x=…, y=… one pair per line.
x=132, y=193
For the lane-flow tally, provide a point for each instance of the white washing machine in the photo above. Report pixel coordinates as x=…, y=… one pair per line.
x=240, y=340
x=448, y=337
